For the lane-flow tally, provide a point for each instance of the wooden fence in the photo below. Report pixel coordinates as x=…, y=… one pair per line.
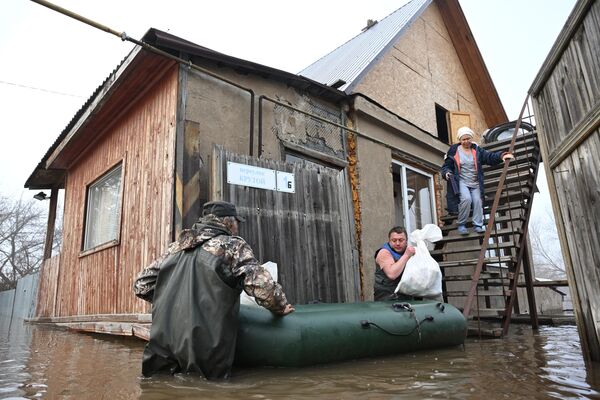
x=566, y=99
x=47, y=287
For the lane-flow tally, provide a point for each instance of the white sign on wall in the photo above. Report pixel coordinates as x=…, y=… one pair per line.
x=248, y=175
x=261, y=178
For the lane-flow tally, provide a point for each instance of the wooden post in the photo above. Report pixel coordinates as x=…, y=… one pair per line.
x=527, y=265
x=51, y=224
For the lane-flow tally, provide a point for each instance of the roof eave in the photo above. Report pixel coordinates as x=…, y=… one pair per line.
x=41, y=177
x=167, y=41
x=46, y=175
x=472, y=62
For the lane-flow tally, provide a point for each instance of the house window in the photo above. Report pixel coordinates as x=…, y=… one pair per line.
x=103, y=210
x=441, y=119
x=413, y=197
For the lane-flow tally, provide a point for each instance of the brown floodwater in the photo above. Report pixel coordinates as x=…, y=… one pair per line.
x=43, y=362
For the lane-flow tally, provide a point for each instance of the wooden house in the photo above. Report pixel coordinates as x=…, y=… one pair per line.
x=566, y=100
x=321, y=168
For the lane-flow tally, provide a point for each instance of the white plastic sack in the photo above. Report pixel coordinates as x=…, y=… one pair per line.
x=249, y=300
x=422, y=276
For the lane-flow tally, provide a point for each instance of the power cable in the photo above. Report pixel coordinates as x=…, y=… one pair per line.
x=40, y=89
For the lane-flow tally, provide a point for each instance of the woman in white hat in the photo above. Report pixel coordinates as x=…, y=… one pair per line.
x=463, y=170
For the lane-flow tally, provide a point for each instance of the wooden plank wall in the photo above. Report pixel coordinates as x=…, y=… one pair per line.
x=573, y=88
x=309, y=233
x=47, y=287
x=577, y=182
x=101, y=282
x=567, y=108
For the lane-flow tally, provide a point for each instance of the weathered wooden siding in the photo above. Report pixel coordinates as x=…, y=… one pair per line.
x=143, y=139
x=577, y=183
x=566, y=99
x=573, y=88
x=47, y=287
x=307, y=233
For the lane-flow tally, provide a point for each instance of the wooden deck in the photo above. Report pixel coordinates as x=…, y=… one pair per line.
x=138, y=325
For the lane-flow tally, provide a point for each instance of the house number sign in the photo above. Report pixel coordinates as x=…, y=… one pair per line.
x=261, y=178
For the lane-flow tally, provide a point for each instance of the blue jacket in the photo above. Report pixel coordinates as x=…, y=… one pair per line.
x=452, y=165
x=383, y=286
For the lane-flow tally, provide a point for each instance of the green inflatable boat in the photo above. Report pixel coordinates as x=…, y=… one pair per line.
x=322, y=333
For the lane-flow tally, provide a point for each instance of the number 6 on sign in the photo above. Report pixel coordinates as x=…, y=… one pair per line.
x=285, y=182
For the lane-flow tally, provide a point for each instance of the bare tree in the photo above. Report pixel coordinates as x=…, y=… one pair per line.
x=545, y=246
x=22, y=236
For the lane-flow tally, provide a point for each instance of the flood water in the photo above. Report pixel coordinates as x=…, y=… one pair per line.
x=42, y=362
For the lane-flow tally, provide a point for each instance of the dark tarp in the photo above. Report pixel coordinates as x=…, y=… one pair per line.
x=194, y=316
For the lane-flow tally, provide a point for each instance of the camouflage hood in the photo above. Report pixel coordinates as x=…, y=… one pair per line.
x=207, y=228
x=210, y=224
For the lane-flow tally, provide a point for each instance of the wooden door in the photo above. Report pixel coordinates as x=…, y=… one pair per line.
x=308, y=233
x=457, y=119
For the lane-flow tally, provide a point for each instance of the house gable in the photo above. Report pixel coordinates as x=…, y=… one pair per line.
x=420, y=70
x=356, y=62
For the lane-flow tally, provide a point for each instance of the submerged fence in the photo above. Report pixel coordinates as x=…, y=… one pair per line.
x=20, y=303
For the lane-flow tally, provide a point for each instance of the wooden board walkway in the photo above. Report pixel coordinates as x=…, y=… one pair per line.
x=138, y=325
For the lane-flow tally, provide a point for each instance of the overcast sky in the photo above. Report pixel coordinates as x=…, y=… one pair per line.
x=51, y=64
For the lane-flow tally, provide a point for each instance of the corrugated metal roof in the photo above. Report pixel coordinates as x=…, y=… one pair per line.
x=352, y=59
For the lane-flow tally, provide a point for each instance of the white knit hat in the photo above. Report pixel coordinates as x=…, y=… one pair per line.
x=464, y=131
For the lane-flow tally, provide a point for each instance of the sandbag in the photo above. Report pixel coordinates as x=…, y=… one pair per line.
x=422, y=276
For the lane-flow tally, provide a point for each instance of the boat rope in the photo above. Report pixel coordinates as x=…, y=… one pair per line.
x=366, y=324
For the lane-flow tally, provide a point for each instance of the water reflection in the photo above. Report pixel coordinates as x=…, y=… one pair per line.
x=42, y=362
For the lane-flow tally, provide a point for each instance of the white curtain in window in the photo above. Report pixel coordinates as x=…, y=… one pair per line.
x=419, y=199
x=413, y=197
x=103, y=209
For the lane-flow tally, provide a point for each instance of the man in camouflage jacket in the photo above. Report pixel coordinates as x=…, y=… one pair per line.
x=195, y=288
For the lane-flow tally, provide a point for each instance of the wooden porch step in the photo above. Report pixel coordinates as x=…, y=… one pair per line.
x=484, y=312
x=474, y=235
x=488, y=312
x=465, y=293
x=560, y=283
x=468, y=249
x=513, y=206
x=482, y=276
x=521, y=141
x=523, y=151
x=473, y=262
x=512, y=194
x=521, y=169
x=513, y=198
x=517, y=221
x=490, y=333
x=513, y=179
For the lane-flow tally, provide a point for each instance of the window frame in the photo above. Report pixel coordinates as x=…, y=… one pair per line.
x=403, y=167
x=312, y=156
x=113, y=242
